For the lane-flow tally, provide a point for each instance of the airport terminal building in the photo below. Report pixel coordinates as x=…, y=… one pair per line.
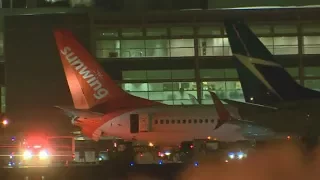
x=167, y=55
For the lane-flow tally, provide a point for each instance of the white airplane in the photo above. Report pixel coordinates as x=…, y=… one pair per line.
x=101, y=107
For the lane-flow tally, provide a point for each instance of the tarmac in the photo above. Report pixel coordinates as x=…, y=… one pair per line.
x=94, y=172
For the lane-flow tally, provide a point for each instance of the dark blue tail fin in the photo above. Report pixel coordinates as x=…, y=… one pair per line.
x=263, y=80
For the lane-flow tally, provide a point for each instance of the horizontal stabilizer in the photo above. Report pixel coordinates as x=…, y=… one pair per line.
x=84, y=114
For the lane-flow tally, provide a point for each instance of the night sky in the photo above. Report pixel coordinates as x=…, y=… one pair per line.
x=35, y=77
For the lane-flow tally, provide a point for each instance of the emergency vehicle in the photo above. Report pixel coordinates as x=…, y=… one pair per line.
x=35, y=151
x=46, y=150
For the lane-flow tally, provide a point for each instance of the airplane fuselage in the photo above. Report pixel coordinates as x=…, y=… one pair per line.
x=171, y=125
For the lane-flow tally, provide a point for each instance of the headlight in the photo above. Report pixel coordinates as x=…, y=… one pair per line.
x=240, y=155
x=43, y=154
x=231, y=155
x=27, y=154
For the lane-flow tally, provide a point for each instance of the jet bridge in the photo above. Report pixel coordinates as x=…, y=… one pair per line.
x=140, y=122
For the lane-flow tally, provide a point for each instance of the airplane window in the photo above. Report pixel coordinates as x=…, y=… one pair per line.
x=195, y=121
x=189, y=121
x=161, y=121
x=172, y=121
x=206, y=121
x=184, y=121
x=156, y=121
x=167, y=121
x=200, y=121
x=178, y=121
x=212, y=120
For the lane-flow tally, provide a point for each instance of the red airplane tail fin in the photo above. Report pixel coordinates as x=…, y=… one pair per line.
x=88, y=83
x=223, y=113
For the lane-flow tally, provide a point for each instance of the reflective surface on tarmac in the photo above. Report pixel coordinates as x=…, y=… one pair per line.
x=276, y=162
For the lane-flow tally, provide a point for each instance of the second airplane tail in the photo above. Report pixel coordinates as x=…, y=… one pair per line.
x=263, y=80
x=223, y=113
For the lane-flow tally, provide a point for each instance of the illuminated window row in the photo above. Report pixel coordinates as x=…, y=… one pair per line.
x=182, y=92
x=158, y=74
x=202, y=31
x=185, y=47
x=145, y=48
x=177, y=93
x=184, y=121
x=190, y=74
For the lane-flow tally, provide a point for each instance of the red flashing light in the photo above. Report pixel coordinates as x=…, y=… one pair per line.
x=191, y=146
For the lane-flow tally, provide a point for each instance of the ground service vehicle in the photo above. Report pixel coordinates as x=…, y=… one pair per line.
x=35, y=151
x=46, y=150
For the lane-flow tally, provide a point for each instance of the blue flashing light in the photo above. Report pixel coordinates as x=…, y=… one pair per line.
x=160, y=162
x=13, y=138
x=196, y=164
x=131, y=164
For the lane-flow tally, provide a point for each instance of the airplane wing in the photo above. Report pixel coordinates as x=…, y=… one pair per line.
x=248, y=105
x=223, y=113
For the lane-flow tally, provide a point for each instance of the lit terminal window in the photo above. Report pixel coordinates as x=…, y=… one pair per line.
x=158, y=74
x=224, y=90
x=157, y=48
x=281, y=45
x=214, y=47
x=311, y=44
x=181, y=47
x=176, y=93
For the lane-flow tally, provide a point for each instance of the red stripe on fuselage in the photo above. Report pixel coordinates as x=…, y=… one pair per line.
x=90, y=125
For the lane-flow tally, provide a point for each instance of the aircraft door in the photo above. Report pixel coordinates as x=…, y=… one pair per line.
x=145, y=123
x=134, y=123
